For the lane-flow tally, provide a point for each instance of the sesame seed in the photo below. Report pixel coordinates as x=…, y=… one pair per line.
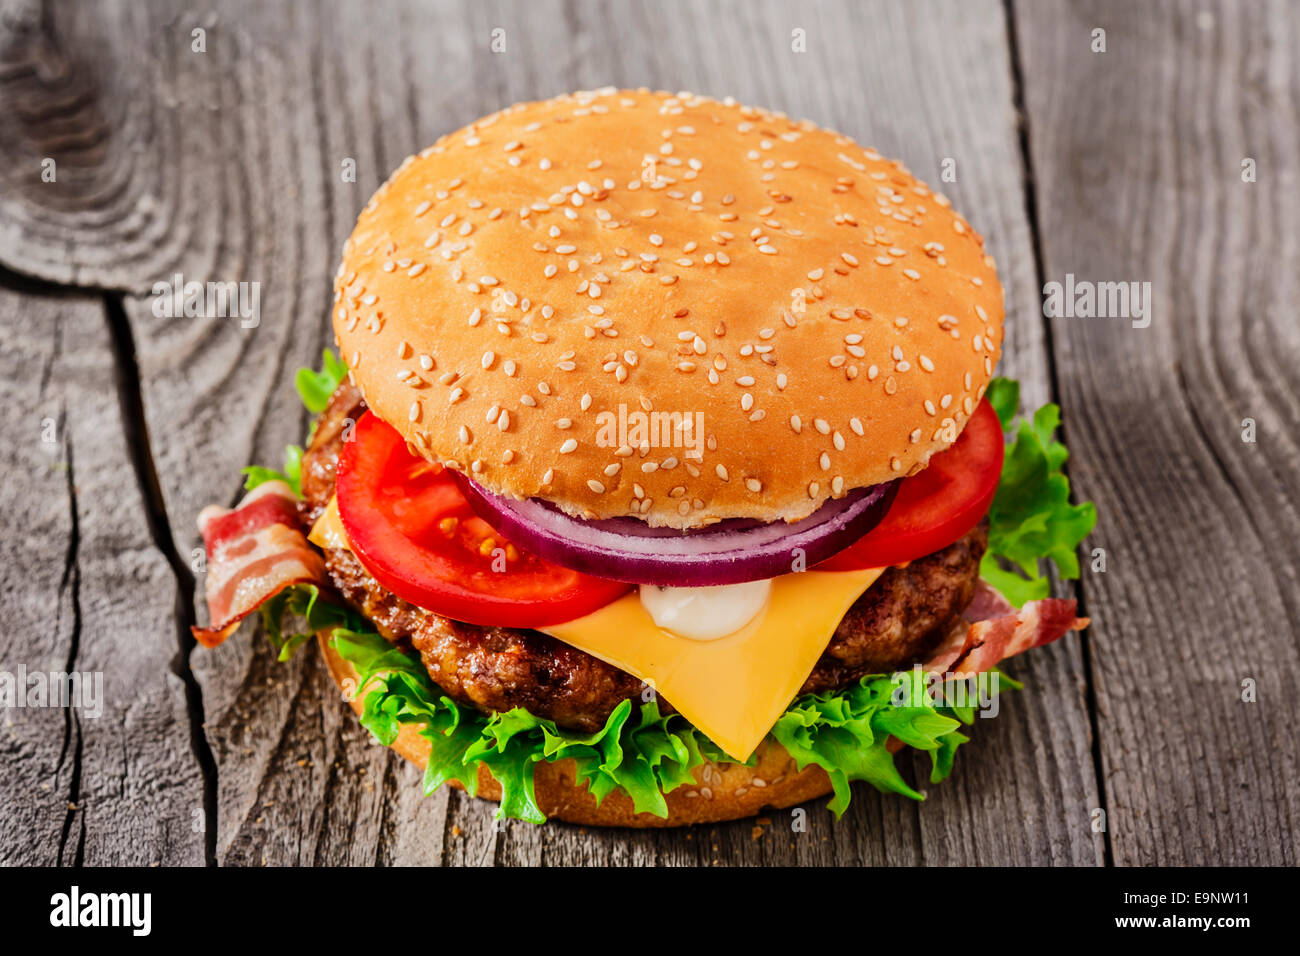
x=569, y=445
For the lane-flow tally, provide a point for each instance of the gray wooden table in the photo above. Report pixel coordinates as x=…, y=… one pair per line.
x=1173, y=157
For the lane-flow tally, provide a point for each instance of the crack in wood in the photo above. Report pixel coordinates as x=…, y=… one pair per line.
x=70, y=583
x=141, y=455
x=1035, y=242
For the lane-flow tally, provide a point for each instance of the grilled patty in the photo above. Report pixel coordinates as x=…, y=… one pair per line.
x=898, y=621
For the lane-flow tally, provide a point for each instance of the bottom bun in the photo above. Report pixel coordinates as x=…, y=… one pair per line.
x=722, y=791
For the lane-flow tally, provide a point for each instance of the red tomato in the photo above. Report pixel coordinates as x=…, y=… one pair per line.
x=411, y=527
x=936, y=507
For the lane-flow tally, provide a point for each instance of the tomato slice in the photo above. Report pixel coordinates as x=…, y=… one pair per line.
x=411, y=527
x=936, y=507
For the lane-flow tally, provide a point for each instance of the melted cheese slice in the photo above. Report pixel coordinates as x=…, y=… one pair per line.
x=732, y=688
x=328, y=531
x=735, y=687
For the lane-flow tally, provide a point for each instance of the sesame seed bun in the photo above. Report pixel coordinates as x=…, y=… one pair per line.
x=723, y=791
x=829, y=317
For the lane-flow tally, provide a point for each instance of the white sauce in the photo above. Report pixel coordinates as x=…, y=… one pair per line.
x=705, y=614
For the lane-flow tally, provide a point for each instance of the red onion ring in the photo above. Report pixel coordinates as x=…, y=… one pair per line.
x=729, y=552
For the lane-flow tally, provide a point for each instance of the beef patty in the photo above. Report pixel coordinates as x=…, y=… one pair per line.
x=896, y=622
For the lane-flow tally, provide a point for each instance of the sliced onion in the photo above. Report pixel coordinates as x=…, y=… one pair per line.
x=729, y=552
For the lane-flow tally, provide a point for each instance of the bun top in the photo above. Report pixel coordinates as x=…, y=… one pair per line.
x=673, y=307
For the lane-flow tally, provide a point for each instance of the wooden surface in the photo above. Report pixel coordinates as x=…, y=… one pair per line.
x=1122, y=165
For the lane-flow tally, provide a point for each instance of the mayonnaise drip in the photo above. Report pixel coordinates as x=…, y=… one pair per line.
x=705, y=614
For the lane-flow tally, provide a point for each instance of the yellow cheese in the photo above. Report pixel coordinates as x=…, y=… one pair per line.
x=733, y=688
x=328, y=531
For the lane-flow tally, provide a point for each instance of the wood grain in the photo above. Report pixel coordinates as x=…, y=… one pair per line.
x=1141, y=180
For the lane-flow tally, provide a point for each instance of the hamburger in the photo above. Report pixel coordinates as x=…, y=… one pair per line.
x=662, y=474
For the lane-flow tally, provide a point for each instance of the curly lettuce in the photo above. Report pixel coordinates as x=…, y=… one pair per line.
x=1032, y=519
x=291, y=475
x=640, y=751
x=316, y=387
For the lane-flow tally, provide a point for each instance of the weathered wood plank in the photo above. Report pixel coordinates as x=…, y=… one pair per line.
x=1141, y=179
x=226, y=165
x=84, y=590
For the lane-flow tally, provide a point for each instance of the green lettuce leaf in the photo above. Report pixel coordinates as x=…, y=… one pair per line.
x=315, y=388
x=1032, y=519
x=303, y=602
x=846, y=734
x=292, y=474
x=639, y=750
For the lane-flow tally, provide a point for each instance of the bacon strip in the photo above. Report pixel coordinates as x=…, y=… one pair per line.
x=953, y=646
x=254, y=551
x=998, y=631
x=987, y=604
